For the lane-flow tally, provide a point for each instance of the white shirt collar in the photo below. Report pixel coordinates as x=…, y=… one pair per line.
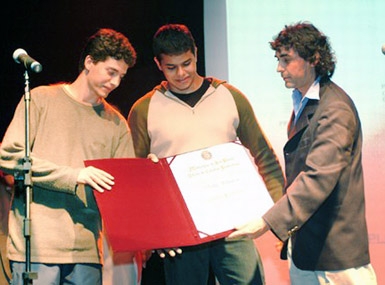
x=300, y=101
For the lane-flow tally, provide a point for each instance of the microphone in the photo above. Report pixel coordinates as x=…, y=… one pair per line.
x=21, y=56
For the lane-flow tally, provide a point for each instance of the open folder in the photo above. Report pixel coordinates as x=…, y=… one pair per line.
x=182, y=200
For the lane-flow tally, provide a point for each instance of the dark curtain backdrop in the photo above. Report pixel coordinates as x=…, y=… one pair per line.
x=54, y=32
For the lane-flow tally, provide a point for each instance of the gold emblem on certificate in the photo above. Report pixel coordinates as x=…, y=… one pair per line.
x=206, y=155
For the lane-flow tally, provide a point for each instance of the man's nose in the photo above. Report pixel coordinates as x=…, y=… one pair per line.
x=180, y=70
x=279, y=67
x=115, y=81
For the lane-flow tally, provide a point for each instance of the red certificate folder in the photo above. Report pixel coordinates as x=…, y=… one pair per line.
x=145, y=209
x=183, y=200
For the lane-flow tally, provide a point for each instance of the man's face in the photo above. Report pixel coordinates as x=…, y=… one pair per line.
x=180, y=72
x=295, y=71
x=104, y=76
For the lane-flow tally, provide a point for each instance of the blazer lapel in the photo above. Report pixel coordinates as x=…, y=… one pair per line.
x=290, y=126
x=304, y=119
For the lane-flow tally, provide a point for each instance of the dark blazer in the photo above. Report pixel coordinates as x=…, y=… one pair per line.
x=323, y=209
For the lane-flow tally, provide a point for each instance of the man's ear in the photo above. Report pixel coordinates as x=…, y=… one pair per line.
x=315, y=59
x=158, y=63
x=87, y=62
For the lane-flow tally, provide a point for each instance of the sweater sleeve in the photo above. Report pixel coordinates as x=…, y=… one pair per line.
x=252, y=137
x=137, y=121
x=124, y=147
x=45, y=174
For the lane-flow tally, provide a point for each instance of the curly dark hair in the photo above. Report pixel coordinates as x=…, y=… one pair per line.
x=108, y=43
x=172, y=39
x=310, y=44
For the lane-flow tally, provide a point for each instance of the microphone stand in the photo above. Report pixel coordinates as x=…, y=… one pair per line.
x=26, y=177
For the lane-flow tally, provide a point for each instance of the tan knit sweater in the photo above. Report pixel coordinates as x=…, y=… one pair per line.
x=66, y=225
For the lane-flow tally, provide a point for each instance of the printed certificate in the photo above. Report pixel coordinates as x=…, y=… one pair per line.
x=221, y=187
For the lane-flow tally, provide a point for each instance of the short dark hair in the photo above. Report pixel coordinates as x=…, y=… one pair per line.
x=309, y=43
x=108, y=43
x=172, y=39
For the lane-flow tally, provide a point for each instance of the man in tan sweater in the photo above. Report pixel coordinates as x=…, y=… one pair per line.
x=6, y=185
x=69, y=123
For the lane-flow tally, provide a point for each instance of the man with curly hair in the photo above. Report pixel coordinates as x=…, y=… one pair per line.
x=321, y=217
x=69, y=123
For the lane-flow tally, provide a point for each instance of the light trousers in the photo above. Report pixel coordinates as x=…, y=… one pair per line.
x=351, y=276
